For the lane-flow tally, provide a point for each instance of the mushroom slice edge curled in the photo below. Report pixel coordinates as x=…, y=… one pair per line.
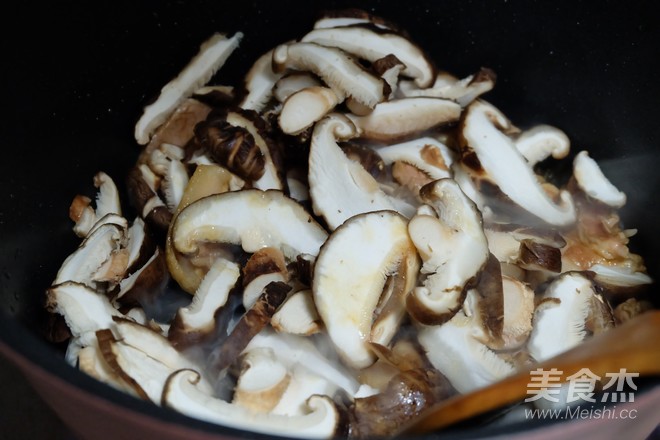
x=250, y=218
x=371, y=45
x=183, y=393
x=337, y=69
x=454, y=250
x=507, y=167
x=361, y=278
x=339, y=187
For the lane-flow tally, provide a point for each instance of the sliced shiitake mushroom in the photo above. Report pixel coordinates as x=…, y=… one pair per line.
x=305, y=107
x=229, y=177
x=212, y=55
x=335, y=67
x=183, y=392
x=298, y=315
x=446, y=86
x=352, y=293
x=340, y=187
x=591, y=180
x=85, y=310
x=101, y=257
x=195, y=323
x=262, y=268
x=367, y=43
x=259, y=83
x=107, y=202
x=483, y=133
x=458, y=355
x=560, y=319
x=454, y=250
x=251, y=219
x=400, y=118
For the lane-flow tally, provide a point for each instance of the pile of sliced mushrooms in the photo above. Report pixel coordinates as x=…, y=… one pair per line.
x=360, y=234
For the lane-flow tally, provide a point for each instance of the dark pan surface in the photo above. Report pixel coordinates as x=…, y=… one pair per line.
x=76, y=75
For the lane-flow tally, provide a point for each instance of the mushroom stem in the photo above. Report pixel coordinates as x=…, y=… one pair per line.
x=252, y=322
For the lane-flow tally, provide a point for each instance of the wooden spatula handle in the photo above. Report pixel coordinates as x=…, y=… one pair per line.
x=633, y=346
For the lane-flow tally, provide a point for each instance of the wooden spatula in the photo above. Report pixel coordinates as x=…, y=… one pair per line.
x=633, y=346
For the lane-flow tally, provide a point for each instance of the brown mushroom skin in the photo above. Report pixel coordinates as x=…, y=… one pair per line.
x=149, y=285
x=56, y=330
x=491, y=301
x=179, y=127
x=406, y=396
x=367, y=157
x=106, y=341
x=78, y=205
x=382, y=65
x=303, y=269
x=232, y=147
x=535, y=256
x=409, y=176
x=252, y=322
x=140, y=193
x=182, y=337
x=264, y=261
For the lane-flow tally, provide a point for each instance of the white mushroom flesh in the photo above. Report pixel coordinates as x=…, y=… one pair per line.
x=462, y=91
x=402, y=209
x=508, y=168
x=90, y=361
x=212, y=55
x=592, y=181
x=518, y=312
x=98, y=248
x=346, y=298
x=298, y=315
x=252, y=218
x=339, y=187
x=85, y=311
x=541, y=142
x=313, y=354
x=453, y=248
x=305, y=107
x=335, y=67
x=108, y=206
x=183, y=394
x=262, y=381
x=426, y=153
x=259, y=83
x=371, y=46
x=211, y=295
x=456, y=353
x=399, y=118
x=174, y=184
x=292, y=83
x=559, y=321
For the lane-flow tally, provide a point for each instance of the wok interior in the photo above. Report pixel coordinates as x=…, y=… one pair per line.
x=75, y=99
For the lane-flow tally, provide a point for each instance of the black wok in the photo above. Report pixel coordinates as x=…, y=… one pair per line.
x=77, y=74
